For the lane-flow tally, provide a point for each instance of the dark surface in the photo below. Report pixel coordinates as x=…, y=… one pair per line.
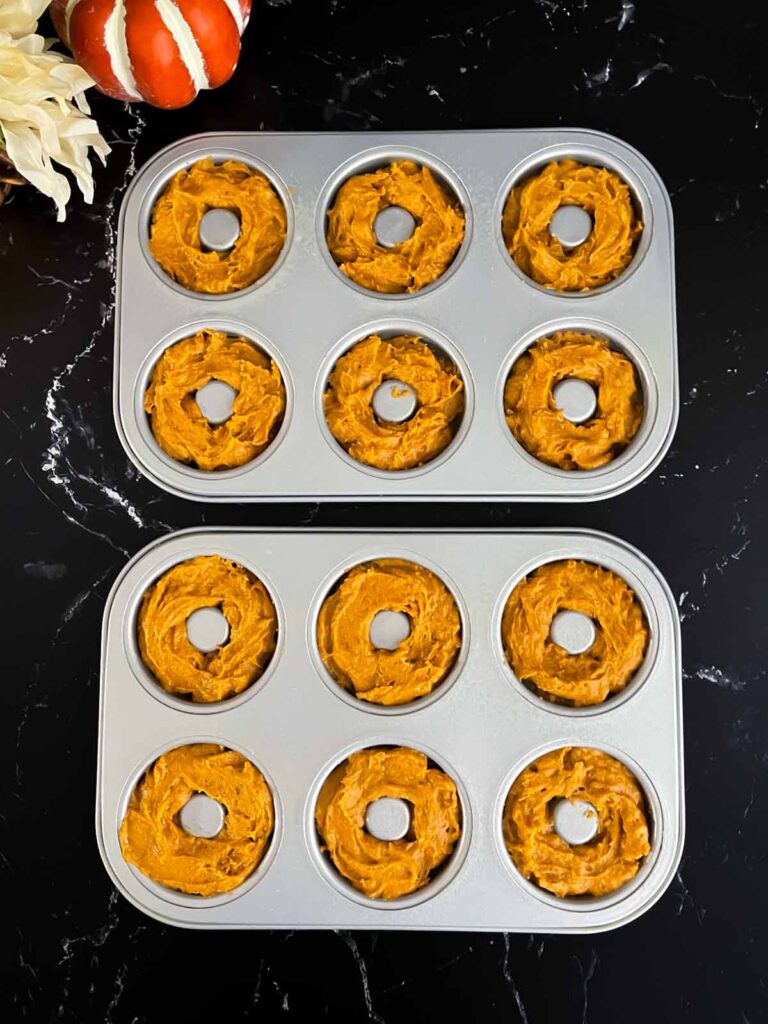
x=688, y=89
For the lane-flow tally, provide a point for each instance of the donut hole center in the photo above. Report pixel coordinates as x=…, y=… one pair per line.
x=393, y=225
x=575, y=398
x=575, y=821
x=219, y=230
x=388, y=818
x=388, y=630
x=207, y=629
x=571, y=225
x=394, y=401
x=216, y=401
x=202, y=816
x=573, y=631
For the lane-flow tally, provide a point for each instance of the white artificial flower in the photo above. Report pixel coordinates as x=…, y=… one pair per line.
x=43, y=109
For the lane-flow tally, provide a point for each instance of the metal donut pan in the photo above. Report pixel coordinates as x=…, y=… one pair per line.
x=481, y=725
x=483, y=311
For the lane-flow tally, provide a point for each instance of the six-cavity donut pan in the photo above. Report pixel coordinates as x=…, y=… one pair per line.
x=481, y=726
x=483, y=313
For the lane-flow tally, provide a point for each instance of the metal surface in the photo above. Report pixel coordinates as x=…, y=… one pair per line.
x=575, y=821
x=573, y=631
x=215, y=400
x=389, y=629
x=393, y=225
x=570, y=225
x=202, y=817
x=388, y=819
x=296, y=725
x=484, y=312
x=575, y=398
x=394, y=401
x=219, y=229
x=207, y=629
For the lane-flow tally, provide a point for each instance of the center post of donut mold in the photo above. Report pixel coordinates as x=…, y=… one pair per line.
x=394, y=401
x=573, y=631
x=388, y=630
x=570, y=225
x=201, y=816
x=575, y=821
x=575, y=398
x=207, y=629
x=219, y=230
x=388, y=818
x=393, y=225
x=216, y=400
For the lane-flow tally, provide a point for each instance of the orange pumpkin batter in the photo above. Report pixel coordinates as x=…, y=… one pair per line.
x=388, y=869
x=152, y=839
x=540, y=426
x=174, y=238
x=594, y=868
x=208, y=581
x=412, y=264
x=179, y=426
x=621, y=632
x=420, y=662
x=602, y=256
x=435, y=381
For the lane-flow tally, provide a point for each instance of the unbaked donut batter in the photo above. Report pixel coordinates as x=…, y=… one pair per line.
x=420, y=662
x=207, y=581
x=540, y=426
x=174, y=238
x=621, y=632
x=412, y=264
x=602, y=256
x=436, y=383
x=387, y=869
x=152, y=839
x=179, y=426
x=597, y=867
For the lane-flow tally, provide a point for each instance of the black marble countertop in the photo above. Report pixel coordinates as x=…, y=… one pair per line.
x=686, y=84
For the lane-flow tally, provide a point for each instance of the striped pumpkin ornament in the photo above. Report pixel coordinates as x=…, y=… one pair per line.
x=161, y=51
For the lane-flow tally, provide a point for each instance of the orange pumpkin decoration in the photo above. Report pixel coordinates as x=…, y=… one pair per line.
x=161, y=51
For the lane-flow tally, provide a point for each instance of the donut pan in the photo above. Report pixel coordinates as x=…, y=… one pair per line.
x=483, y=313
x=481, y=726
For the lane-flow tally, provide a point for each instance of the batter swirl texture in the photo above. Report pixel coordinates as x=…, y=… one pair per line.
x=152, y=839
x=387, y=869
x=597, y=867
x=602, y=256
x=420, y=662
x=207, y=581
x=412, y=264
x=621, y=632
x=435, y=381
x=178, y=425
x=540, y=426
x=174, y=239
